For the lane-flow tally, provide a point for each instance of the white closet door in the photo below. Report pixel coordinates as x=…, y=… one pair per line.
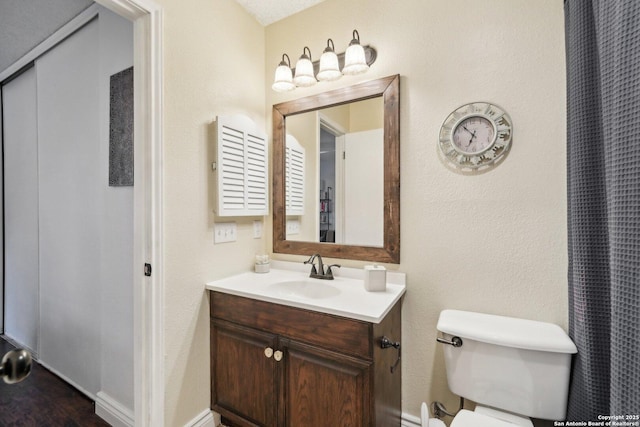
x=68, y=131
x=21, y=209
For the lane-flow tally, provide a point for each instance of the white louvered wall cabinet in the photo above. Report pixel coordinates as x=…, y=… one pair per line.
x=241, y=167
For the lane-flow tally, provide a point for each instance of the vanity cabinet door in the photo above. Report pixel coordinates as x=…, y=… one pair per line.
x=244, y=383
x=324, y=388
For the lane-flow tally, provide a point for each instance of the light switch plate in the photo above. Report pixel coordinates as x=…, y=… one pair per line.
x=224, y=232
x=257, y=229
x=293, y=226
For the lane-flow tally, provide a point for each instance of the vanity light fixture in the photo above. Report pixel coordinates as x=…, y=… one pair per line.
x=356, y=60
x=283, y=81
x=304, y=76
x=329, y=67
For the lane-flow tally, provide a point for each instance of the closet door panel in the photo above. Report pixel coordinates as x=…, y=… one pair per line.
x=68, y=130
x=21, y=209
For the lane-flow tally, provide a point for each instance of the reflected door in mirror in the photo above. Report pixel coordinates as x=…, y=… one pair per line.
x=363, y=184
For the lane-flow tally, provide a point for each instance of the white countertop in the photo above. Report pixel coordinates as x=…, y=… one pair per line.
x=344, y=296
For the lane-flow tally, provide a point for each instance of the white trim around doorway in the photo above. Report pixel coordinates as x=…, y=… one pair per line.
x=148, y=301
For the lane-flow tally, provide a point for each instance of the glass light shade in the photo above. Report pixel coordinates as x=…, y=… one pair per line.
x=283, y=81
x=304, y=72
x=354, y=60
x=329, y=68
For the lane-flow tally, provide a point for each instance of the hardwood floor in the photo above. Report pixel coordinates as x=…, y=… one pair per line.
x=44, y=400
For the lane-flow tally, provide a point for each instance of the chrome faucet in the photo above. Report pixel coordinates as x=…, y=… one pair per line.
x=320, y=272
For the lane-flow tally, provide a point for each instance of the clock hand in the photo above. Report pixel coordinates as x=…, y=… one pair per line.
x=473, y=135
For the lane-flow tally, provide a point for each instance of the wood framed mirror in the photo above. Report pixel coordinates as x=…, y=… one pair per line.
x=388, y=89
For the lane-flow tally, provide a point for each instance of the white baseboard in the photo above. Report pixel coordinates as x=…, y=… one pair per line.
x=205, y=419
x=208, y=418
x=113, y=411
x=409, y=420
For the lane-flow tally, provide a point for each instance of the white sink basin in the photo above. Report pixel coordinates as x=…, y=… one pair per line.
x=312, y=289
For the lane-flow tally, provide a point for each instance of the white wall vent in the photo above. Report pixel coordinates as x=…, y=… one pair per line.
x=294, y=171
x=241, y=167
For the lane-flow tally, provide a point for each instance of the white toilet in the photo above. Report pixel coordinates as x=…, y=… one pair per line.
x=512, y=368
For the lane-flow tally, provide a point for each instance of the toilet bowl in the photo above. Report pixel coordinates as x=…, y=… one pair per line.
x=512, y=368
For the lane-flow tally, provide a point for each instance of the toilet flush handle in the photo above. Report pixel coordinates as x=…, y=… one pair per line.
x=387, y=343
x=454, y=341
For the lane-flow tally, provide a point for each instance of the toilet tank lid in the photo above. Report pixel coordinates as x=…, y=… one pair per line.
x=506, y=331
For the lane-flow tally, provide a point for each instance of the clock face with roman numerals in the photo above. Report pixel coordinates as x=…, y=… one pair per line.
x=475, y=136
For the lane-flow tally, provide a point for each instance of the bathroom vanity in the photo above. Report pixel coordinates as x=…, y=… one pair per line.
x=286, y=352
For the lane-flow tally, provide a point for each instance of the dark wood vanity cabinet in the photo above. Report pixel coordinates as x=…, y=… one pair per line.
x=274, y=365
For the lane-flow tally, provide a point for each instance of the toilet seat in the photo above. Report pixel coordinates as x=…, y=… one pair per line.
x=466, y=418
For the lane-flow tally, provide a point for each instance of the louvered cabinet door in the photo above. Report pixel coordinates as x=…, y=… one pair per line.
x=257, y=174
x=231, y=165
x=294, y=171
x=241, y=168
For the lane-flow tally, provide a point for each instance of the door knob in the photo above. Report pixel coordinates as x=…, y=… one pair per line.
x=16, y=366
x=268, y=352
x=277, y=355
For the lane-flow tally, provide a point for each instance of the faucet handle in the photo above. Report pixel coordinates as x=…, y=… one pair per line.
x=328, y=270
x=313, y=266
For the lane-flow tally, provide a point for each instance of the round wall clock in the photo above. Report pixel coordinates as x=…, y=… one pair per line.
x=475, y=136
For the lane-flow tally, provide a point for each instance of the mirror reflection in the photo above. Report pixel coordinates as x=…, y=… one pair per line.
x=318, y=199
x=342, y=183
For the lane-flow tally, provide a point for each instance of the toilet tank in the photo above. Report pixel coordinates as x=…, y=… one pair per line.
x=517, y=365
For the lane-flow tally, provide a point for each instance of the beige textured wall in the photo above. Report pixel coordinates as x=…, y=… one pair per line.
x=213, y=64
x=494, y=242
x=340, y=115
x=367, y=115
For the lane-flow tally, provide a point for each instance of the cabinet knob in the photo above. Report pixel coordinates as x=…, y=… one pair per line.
x=277, y=355
x=268, y=352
